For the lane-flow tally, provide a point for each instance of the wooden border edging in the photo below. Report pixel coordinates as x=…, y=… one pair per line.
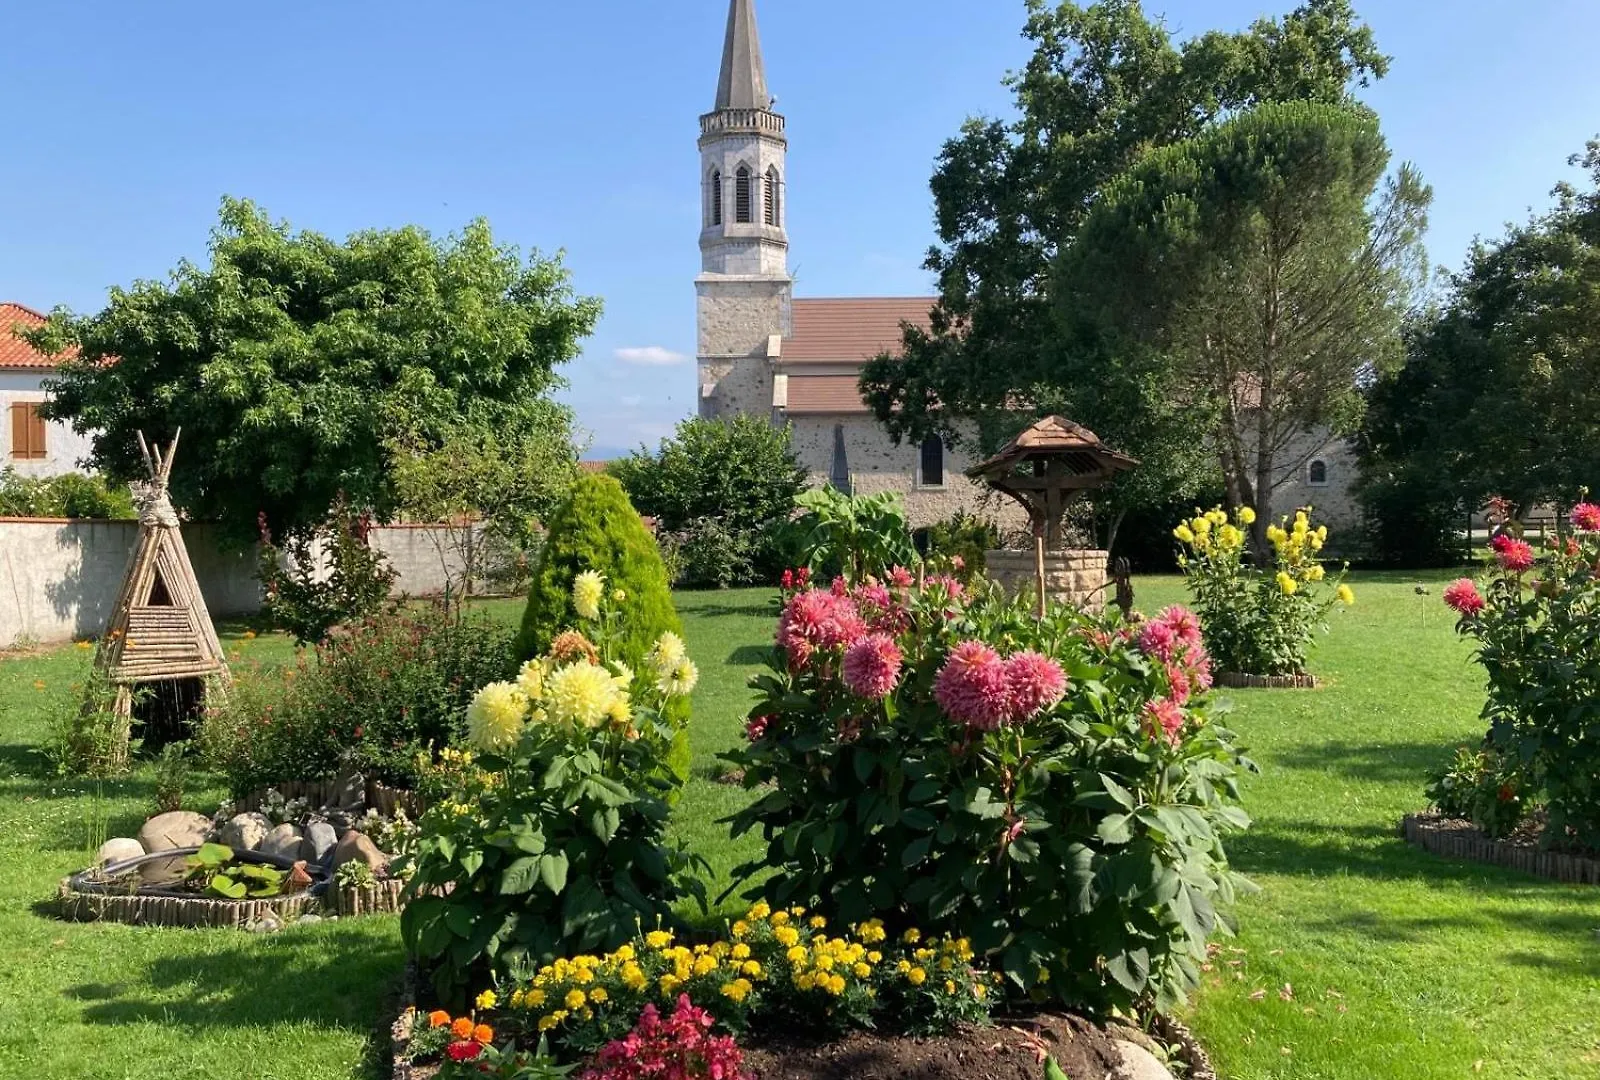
x=1194, y=1055
x=175, y=910
x=1238, y=681
x=1471, y=844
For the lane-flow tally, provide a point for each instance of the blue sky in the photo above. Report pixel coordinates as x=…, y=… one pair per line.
x=573, y=126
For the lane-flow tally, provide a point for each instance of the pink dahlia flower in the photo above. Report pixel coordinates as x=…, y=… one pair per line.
x=1157, y=638
x=1178, y=680
x=901, y=578
x=1164, y=717
x=815, y=620
x=1035, y=683
x=872, y=667
x=972, y=687
x=1586, y=517
x=1462, y=594
x=1185, y=624
x=1514, y=555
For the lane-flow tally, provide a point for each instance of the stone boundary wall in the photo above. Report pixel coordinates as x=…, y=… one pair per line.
x=59, y=577
x=1073, y=577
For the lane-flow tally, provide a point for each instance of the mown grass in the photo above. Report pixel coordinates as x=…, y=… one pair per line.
x=1361, y=958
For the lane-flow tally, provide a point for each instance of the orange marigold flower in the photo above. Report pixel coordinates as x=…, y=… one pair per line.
x=438, y=1018
x=483, y=1033
x=462, y=1028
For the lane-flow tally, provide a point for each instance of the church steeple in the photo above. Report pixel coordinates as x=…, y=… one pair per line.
x=743, y=84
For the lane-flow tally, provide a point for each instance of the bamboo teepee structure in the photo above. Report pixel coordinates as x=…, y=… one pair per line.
x=160, y=630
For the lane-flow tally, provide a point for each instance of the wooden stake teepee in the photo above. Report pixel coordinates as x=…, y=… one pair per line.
x=160, y=629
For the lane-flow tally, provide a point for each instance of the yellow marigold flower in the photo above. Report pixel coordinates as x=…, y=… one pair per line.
x=552, y=1020
x=1316, y=573
x=658, y=939
x=740, y=951
x=580, y=695
x=917, y=976
x=496, y=717
x=797, y=955
x=667, y=653
x=624, y=953
x=964, y=948
x=633, y=976
x=817, y=922
x=1229, y=537
x=862, y=971
x=903, y=967
x=679, y=680
x=575, y=999
x=875, y=956
x=1247, y=515
x=871, y=931
x=980, y=991
x=741, y=929
x=1184, y=534
x=587, y=589
x=1286, y=584
x=486, y=1000
x=598, y=995
x=950, y=986
x=705, y=965
x=787, y=935
x=751, y=968
x=825, y=961
x=1201, y=527
x=669, y=983
x=911, y=936
x=779, y=918
x=759, y=910
x=533, y=999
x=737, y=990
x=1347, y=595
x=518, y=998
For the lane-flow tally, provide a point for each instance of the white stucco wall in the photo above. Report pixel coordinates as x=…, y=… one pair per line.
x=64, y=449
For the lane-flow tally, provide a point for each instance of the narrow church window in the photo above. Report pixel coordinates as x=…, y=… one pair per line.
x=741, y=196
x=1317, y=473
x=772, y=196
x=839, y=476
x=932, y=461
x=716, y=197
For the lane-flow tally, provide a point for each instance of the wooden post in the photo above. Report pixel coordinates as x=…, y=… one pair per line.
x=1038, y=568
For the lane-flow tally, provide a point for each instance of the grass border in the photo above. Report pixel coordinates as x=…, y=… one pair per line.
x=1470, y=843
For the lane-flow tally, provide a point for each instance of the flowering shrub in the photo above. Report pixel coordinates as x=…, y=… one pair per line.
x=1479, y=786
x=1537, y=627
x=554, y=838
x=772, y=970
x=464, y=1047
x=1052, y=792
x=1258, y=620
x=680, y=1047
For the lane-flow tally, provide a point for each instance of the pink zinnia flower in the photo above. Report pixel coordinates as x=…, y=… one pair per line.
x=1514, y=555
x=1035, y=683
x=1157, y=638
x=1462, y=594
x=972, y=687
x=872, y=667
x=1164, y=717
x=1586, y=517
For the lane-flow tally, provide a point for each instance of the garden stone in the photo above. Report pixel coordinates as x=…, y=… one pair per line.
x=245, y=832
x=1138, y=1064
x=267, y=923
x=321, y=839
x=283, y=841
x=309, y=919
x=358, y=847
x=174, y=829
x=118, y=849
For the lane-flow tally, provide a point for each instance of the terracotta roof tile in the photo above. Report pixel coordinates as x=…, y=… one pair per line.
x=16, y=353
x=824, y=394
x=851, y=330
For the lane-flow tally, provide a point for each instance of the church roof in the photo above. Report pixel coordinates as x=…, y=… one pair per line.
x=851, y=330
x=743, y=84
x=16, y=354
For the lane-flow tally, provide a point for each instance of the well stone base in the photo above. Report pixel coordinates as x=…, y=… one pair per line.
x=1072, y=577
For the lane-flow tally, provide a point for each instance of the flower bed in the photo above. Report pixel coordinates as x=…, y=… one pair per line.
x=1456, y=838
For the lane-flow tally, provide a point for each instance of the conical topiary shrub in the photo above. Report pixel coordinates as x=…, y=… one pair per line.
x=598, y=529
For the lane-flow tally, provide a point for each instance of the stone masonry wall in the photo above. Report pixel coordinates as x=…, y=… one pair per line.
x=1073, y=577
x=736, y=318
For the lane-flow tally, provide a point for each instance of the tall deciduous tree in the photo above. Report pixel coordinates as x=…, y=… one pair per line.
x=296, y=364
x=1105, y=85
x=1268, y=265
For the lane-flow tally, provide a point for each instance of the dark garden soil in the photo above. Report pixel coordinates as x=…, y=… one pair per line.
x=1003, y=1052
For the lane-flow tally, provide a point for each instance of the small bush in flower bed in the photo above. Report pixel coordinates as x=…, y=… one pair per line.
x=1258, y=620
x=1537, y=627
x=464, y=1047
x=1480, y=786
x=372, y=699
x=1055, y=792
x=553, y=838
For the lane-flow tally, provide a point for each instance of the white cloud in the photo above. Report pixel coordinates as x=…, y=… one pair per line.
x=651, y=356
x=631, y=401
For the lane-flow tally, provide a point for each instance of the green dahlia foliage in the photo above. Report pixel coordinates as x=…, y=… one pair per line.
x=552, y=837
x=1055, y=791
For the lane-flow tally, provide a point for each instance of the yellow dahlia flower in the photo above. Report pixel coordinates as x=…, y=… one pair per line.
x=668, y=652
x=496, y=717
x=622, y=675
x=1247, y=515
x=1286, y=583
x=530, y=680
x=1347, y=595
x=587, y=589
x=1184, y=533
x=680, y=680
x=1316, y=573
x=579, y=695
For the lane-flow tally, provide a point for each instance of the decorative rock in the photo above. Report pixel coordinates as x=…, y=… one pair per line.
x=356, y=846
x=308, y=919
x=267, y=923
x=118, y=849
x=245, y=832
x=321, y=838
x=1138, y=1064
x=174, y=829
x=284, y=841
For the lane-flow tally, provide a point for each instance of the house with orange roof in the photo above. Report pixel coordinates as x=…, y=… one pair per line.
x=29, y=443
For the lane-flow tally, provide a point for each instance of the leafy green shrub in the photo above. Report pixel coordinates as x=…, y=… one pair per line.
x=172, y=776
x=1535, y=632
x=554, y=838
x=1479, y=786
x=87, y=737
x=857, y=536
x=1258, y=620
x=372, y=698
x=68, y=495
x=1062, y=807
x=739, y=473
x=307, y=598
x=1412, y=524
x=966, y=537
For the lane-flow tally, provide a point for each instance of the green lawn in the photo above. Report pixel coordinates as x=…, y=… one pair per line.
x=1397, y=964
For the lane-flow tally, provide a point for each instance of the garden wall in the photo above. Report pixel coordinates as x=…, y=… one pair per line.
x=58, y=578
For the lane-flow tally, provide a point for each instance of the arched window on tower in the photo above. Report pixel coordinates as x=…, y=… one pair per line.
x=743, y=203
x=716, y=197
x=772, y=197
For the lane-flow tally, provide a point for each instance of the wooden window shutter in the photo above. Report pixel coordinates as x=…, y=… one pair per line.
x=27, y=431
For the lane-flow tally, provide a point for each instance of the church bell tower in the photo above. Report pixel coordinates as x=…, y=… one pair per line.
x=744, y=289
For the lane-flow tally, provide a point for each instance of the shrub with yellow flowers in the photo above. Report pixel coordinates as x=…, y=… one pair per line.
x=771, y=970
x=554, y=839
x=1259, y=618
